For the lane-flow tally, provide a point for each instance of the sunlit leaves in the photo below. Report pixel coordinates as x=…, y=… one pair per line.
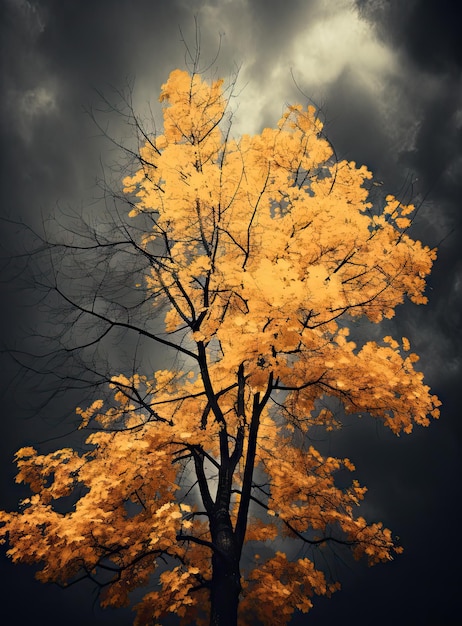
x=278, y=586
x=261, y=250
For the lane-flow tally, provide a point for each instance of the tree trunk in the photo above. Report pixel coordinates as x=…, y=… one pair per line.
x=226, y=577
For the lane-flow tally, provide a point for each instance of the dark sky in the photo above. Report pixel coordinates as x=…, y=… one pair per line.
x=387, y=75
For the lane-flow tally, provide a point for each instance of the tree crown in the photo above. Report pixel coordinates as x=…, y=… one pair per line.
x=263, y=250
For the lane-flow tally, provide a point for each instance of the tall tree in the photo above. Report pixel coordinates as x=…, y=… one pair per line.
x=261, y=251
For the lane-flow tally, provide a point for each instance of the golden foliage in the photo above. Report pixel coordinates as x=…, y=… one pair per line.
x=265, y=248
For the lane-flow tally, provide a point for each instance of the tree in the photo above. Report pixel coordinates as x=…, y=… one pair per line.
x=262, y=252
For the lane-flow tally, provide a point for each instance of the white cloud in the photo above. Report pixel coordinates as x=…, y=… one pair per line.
x=333, y=40
x=338, y=40
x=38, y=101
x=29, y=107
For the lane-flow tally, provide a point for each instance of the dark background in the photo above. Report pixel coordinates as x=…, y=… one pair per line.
x=387, y=75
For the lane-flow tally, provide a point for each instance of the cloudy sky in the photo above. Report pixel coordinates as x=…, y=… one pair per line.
x=387, y=76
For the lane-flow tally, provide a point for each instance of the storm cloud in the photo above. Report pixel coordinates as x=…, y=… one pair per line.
x=386, y=76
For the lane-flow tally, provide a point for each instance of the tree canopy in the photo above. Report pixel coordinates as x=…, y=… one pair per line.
x=262, y=251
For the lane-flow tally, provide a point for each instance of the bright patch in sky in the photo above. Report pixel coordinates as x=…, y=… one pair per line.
x=37, y=101
x=334, y=40
x=338, y=41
